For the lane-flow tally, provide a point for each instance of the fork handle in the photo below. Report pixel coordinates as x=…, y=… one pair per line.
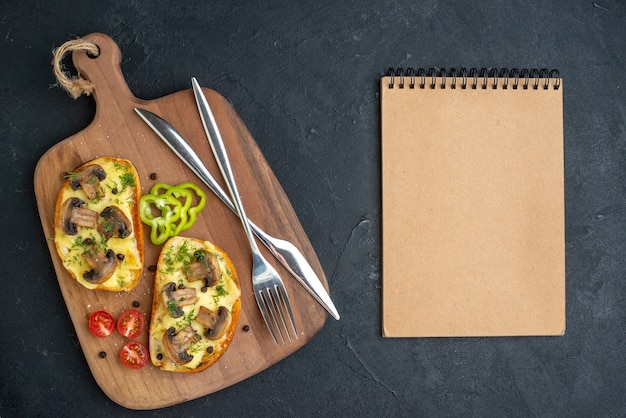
x=219, y=150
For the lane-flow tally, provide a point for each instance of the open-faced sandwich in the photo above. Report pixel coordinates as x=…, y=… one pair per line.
x=195, y=307
x=97, y=231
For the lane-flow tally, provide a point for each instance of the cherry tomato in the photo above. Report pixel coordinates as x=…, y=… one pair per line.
x=134, y=355
x=130, y=323
x=101, y=324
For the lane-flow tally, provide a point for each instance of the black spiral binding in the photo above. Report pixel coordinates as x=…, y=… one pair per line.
x=474, y=78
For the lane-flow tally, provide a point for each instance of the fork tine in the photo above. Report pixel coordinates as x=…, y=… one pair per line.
x=272, y=308
x=285, y=297
x=260, y=301
x=277, y=302
x=282, y=299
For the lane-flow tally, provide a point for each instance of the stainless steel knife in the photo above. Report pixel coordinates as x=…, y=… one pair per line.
x=284, y=251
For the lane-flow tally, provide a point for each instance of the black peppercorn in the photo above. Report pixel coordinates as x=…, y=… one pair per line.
x=152, y=268
x=209, y=349
x=135, y=304
x=114, y=190
x=88, y=241
x=120, y=257
x=159, y=356
x=246, y=328
x=153, y=176
x=102, y=354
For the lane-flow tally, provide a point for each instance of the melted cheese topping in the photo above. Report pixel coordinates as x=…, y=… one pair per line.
x=176, y=254
x=122, y=179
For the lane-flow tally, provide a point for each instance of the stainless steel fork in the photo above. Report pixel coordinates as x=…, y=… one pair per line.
x=269, y=290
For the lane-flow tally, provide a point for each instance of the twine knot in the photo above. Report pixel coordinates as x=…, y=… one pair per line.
x=74, y=85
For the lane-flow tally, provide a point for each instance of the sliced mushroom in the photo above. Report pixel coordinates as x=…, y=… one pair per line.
x=205, y=268
x=176, y=344
x=102, y=263
x=114, y=223
x=174, y=299
x=216, y=323
x=88, y=179
x=73, y=214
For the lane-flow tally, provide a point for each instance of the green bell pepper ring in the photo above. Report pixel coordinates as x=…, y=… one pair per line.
x=175, y=216
x=162, y=225
x=184, y=189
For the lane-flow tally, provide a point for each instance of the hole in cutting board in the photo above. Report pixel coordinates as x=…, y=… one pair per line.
x=94, y=56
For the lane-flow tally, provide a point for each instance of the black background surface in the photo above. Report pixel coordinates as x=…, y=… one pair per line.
x=304, y=76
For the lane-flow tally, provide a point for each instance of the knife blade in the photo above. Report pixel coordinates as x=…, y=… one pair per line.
x=284, y=251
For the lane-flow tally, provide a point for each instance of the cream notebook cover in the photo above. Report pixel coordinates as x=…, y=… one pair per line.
x=472, y=203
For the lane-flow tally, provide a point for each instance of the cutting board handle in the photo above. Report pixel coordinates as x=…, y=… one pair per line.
x=103, y=71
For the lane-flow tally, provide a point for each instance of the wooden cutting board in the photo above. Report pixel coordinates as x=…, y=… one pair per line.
x=118, y=131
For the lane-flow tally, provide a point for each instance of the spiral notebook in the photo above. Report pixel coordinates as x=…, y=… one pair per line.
x=472, y=203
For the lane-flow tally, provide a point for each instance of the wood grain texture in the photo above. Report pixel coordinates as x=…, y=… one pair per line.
x=118, y=131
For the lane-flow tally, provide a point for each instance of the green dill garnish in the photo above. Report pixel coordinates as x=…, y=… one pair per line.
x=82, y=243
x=172, y=307
x=184, y=254
x=220, y=290
x=121, y=281
x=108, y=226
x=168, y=258
x=187, y=319
x=128, y=180
x=126, y=177
x=200, y=255
x=98, y=197
x=195, y=347
x=70, y=175
x=112, y=186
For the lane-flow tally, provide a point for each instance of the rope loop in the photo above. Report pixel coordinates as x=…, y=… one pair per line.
x=74, y=85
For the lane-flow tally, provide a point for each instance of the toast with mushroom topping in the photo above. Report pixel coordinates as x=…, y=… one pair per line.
x=196, y=304
x=98, y=232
